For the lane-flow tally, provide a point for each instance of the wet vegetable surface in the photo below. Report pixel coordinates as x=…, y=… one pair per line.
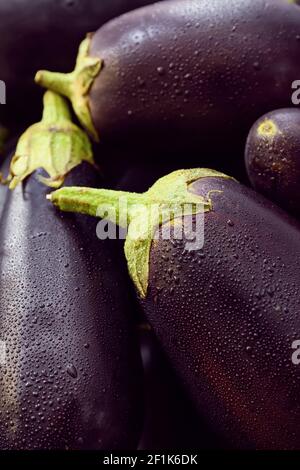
x=44, y=33
x=171, y=421
x=72, y=375
x=226, y=314
x=272, y=157
x=175, y=83
x=183, y=72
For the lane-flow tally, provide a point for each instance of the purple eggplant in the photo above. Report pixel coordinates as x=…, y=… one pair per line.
x=70, y=369
x=226, y=312
x=190, y=75
x=171, y=421
x=44, y=33
x=272, y=157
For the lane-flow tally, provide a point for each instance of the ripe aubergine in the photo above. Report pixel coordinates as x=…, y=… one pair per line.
x=180, y=73
x=44, y=33
x=171, y=421
x=70, y=371
x=3, y=194
x=227, y=313
x=4, y=169
x=273, y=157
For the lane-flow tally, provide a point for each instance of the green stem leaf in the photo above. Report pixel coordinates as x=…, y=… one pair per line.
x=54, y=144
x=142, y=214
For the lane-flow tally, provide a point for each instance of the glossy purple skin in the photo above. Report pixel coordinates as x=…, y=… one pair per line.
x=44, y=34
x=185, y=74
x=273, y=162
x=171, y=421
x=227, y=316
x=72, y=377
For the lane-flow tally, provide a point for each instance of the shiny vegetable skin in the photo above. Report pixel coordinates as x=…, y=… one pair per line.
x=272, y=157
x=227, y=312
x=72, y=374
x=227, y=316
x=171, y=421
x=178, y=73
x=3, y=188
x=44, y=33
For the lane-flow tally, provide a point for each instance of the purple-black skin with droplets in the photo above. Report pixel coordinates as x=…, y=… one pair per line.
x=72, y=375
x=171, y=420
x=193, y=74
x=228, y=314
x=273, y=158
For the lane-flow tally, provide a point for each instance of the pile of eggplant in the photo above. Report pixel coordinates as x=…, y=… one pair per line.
x=116, y=333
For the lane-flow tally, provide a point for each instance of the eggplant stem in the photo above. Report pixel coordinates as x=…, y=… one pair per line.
x=54, y=144
x=76, y=85
x=168, y=199
x=60, y=83
x=55, y=109
x=117, y=207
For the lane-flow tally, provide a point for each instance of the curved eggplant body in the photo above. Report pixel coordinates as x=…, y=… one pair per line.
x=3, y=188
x=272, y=157
x=228, y=315
x=186, y=71
x=70, y=366
x=54, y=27
x=171, y=421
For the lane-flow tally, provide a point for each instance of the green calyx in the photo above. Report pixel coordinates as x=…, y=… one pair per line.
x=76, y=85
x=168, y=199
x=54, y=144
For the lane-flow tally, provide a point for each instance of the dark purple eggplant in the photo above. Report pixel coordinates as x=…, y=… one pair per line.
x=70, y=369
x=272, y=157
x=44, y=33
x=181, y=73
x=171, y=421
x=3, y=188
x=227, y=313
x=8, y=149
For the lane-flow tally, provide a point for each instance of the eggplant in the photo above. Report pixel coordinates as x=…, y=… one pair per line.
x=226, y=312
x=3, y=188
x=44, y=33
x=71, y=374
x=272, y=157
x=171, y=421
x=175, y=75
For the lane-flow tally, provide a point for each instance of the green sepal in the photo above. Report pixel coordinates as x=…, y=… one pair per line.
x=55, y=144
x=168, y=196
